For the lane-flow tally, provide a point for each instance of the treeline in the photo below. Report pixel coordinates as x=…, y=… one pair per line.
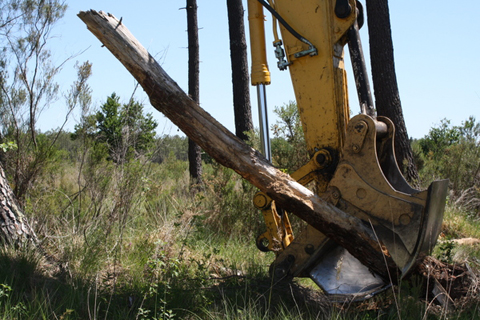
x=163, y=147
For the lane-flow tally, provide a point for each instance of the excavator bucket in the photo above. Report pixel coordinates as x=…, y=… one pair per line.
x=407, y=221
x=342, y=276
x=371, y=187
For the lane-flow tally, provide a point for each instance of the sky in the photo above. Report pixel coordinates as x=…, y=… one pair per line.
x=435, y=47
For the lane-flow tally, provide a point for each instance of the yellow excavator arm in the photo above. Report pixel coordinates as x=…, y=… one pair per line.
x=352, y=161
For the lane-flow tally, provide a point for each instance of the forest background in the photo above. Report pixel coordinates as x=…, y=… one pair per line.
x=122, y=234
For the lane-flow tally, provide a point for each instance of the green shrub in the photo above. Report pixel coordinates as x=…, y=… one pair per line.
x=453, y=152
x=289, y=149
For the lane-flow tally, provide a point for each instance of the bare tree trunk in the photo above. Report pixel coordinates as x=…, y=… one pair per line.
x=165, y=95
x=240, y=77
x=14, y=228
x=387, y=97
x=194, y=151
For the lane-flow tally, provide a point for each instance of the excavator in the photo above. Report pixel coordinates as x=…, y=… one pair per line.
x=352, y=159
x=352, y=165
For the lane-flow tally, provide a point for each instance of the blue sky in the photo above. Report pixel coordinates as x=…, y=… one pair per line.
x=435, y=55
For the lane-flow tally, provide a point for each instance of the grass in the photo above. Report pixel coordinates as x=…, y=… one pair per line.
x=135, y=243
x=459, y=225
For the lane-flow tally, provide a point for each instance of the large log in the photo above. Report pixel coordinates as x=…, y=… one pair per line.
x=167, y=97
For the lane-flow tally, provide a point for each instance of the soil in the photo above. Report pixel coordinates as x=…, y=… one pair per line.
x=457, y=281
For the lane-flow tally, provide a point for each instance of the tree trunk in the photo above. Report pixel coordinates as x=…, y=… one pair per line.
x=165, y=95
x=387, y=97
x=194, y=151
x=14, y=228
x=240, y=77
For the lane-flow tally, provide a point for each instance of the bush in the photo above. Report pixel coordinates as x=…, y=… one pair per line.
x=289, y=149
x=453, y=152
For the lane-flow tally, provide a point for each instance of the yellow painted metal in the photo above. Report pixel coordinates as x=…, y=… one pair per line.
x=386, y=203
x=279, y=232
x=366, y=182
x=319, y=81
x=306, y=173
x=256, y=22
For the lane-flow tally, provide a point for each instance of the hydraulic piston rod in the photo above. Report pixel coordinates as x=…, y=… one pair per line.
x=263, y=119
x=260, y=76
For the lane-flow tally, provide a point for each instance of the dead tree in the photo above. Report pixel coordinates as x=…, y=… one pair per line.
x=240, y=78
x=194, y=150
x=167, y=97
x=387, y=96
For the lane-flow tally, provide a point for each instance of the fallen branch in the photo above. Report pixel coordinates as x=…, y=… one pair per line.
x=167, y=97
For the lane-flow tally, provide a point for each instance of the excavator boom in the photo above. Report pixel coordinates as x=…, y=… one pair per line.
x=352, y=164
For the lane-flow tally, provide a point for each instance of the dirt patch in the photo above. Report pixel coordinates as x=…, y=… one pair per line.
x=449, y=283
